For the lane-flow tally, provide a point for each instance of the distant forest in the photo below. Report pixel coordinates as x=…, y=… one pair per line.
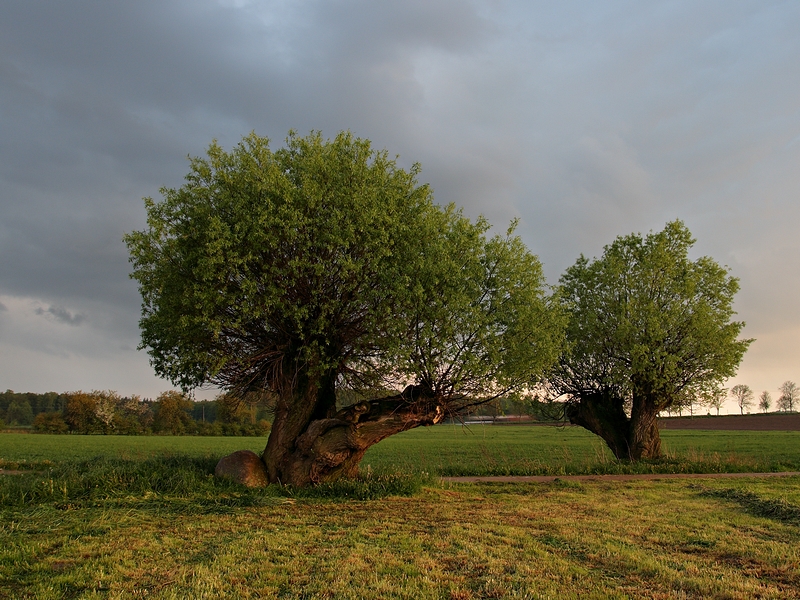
x=173, y=413
x=107, y=412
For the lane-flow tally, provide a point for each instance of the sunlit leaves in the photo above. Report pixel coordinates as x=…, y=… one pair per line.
x=645, y=319
x=326, y=258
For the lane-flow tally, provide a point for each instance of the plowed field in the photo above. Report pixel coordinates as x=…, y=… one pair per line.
x=769, y=422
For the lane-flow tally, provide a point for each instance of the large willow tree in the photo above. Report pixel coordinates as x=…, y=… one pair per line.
x=322, y=267
x=647, y=327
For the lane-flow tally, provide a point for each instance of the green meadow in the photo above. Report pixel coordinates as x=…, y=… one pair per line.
x=454, y=450
x=143, y=517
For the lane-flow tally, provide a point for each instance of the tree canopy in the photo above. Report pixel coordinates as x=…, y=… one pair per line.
x=647, y=326
x=323, y=266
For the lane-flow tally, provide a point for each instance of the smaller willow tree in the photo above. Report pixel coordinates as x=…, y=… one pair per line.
x=647, y=328
x=324, y=268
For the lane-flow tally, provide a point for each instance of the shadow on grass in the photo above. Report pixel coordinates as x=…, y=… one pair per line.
x=775, y=509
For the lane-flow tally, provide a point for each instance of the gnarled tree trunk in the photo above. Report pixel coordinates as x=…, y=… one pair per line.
x=329, y=446
x=604, y=416
x=631, y=438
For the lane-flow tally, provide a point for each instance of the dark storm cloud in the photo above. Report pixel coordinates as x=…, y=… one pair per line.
x=61, y=314
x=101, y=102
x=587, y=120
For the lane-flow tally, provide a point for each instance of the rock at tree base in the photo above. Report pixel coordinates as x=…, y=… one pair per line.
x=243, y=467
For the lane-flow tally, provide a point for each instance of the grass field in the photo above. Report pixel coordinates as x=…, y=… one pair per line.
x=32, y=449
x=149, y=520
x=455, y=450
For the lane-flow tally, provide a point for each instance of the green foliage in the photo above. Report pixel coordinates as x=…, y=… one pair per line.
x=481, y=324
x=221, y=428
x=646, y=320
x=172, y=413
x=19, y=412
x=39, y=403
x=204, y=411
x=232, y=410
x=107, y=412
x=52, y=422
x=277, y=246
x=80, y=413
x=325, y=258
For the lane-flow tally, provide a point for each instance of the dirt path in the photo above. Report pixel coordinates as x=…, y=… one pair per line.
x=644, y=476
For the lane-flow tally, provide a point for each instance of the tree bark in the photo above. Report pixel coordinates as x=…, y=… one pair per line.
x=645, y=440
x=293, y=413
x=332, y=447
x=631, y=438
x=604, y=416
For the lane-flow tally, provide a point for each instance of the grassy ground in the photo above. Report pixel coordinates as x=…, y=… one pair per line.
x=593, y=540
x=31, y=449
x=455, y=450
x=149, y=520
x=531, y=450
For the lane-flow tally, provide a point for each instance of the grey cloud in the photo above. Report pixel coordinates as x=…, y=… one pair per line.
x=62, y=315
x=588, y=120
x=3, y=307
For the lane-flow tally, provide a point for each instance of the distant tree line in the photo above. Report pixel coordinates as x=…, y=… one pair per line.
x=107, y=412
x=744, y=397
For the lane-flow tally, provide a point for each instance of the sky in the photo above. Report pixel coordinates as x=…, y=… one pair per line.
x=585, y=120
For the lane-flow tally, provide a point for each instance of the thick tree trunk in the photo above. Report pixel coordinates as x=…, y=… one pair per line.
x=332, y=447
x=292, y=416
x=645, y=440
x=604, y=416
x=629, y=439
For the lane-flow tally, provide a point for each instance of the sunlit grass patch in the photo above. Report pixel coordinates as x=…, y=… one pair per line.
x=595, y=539
x=452, y=450
x=157, y=524
x=36, y=449
x=538, y=450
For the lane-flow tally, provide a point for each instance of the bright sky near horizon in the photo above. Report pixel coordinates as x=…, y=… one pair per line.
x=585, y=120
